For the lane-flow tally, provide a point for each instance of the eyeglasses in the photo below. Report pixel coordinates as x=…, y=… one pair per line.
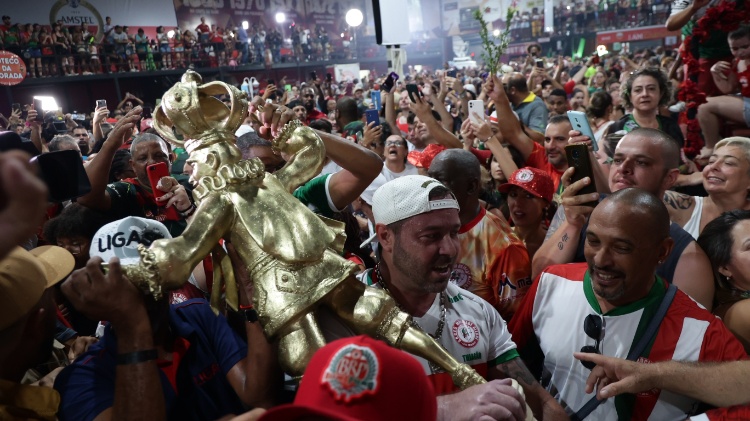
x=593, y=326
x=394, y=143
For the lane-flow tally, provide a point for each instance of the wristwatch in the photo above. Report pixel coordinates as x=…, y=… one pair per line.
x=248, y=313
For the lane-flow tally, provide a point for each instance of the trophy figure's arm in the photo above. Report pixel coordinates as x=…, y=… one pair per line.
x=171, y=261
x=308, y=155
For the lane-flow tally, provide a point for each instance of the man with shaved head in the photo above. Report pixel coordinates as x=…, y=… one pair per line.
x=531, y=110
x=492, y=261
x=605, y=306
x=647, y=159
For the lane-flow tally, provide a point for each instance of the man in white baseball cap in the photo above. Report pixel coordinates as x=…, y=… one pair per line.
x=417, y=224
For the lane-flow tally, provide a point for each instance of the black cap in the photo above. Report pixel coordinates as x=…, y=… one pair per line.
x=10, y=141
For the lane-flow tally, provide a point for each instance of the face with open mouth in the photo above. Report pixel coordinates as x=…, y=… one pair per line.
x=727, y=171
x=425, y=250
x=622, y=251
x=395, y=149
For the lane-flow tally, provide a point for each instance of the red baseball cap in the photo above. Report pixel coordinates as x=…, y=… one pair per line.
x=533, y=180
x=361, y=379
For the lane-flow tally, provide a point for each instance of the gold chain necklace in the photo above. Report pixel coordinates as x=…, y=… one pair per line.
x=441, y=322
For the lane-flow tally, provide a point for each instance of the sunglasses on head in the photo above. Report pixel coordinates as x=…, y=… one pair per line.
x=593, y=326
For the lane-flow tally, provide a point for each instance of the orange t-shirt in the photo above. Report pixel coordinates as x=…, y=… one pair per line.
x=493, y=263
x=538, y=159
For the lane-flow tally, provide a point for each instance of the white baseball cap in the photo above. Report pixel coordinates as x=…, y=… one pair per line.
x=121, y=238
x=405, y=197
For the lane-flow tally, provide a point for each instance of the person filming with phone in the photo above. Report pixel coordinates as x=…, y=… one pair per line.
x=136, y=196
x=646, y=159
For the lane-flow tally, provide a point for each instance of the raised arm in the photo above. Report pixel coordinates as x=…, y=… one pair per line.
x=678, y=20
x=98, y=169
x=439, y=105
x=36, y=132
x=390, y=111
x=560, y=246
x=137, y=393
x=96, y=123
x=510, y=128
x=443, y=137
x=257, y=378
x=360, y=167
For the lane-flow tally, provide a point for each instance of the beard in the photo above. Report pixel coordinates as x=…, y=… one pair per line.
x=418, y=272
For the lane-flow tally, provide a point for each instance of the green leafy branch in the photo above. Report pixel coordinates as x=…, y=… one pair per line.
x=494, y=47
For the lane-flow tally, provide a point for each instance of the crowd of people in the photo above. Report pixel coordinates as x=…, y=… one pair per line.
x=59, y=50
x=584, y=272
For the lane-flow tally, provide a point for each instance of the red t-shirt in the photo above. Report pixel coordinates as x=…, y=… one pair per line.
x=424, y=158
x=315, y=114
x=538, y=159
x=203, y=28
x=743, y=78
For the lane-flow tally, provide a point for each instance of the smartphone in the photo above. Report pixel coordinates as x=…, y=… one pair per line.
x=16, y=107
x=39, y=110
x=288, y=87
x=413, y=90
x=64, y=175
x=313, y=75
x=389, y=82
x=476, y=111
x=373, y=116
x=376, y=100
x=578, y=158
x=271, y=82
x=451, y=73
x=101, y=103
x=539, y=63
x=155, y=173
x=580, y=122
x=329, y=77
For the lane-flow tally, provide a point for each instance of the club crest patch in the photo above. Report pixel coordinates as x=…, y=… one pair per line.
x=352, y=373
x=466, y=333
x=524, y=175
x=461, y=276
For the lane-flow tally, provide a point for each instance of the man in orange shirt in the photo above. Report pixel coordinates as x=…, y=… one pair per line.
x=492, y=261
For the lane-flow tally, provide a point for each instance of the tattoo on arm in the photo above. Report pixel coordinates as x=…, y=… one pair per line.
x=678, y=200
x=562, y=242
x=515, y=369
x=557, y=220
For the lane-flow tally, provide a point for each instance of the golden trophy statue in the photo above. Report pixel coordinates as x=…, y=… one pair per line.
x=292, y=255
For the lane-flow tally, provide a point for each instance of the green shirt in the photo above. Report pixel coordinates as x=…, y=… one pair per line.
x=315, y=195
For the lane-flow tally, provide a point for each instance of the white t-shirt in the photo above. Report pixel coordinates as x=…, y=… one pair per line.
x=389, y=175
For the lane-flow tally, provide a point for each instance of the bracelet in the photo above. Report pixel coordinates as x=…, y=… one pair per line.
x=187, y=212
x=136, y=357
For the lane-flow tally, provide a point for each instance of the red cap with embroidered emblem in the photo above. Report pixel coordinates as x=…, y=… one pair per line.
x=361, y=379
x=533, y=180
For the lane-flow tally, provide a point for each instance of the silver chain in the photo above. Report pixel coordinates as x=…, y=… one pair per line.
x=441, y=322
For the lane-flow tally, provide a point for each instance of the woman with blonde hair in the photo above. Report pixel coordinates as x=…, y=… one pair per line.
x=726, y=178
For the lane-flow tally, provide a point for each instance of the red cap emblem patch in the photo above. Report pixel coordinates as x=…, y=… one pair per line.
x=352, y=373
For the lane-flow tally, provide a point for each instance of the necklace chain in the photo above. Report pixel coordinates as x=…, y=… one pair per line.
x=441, y=322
